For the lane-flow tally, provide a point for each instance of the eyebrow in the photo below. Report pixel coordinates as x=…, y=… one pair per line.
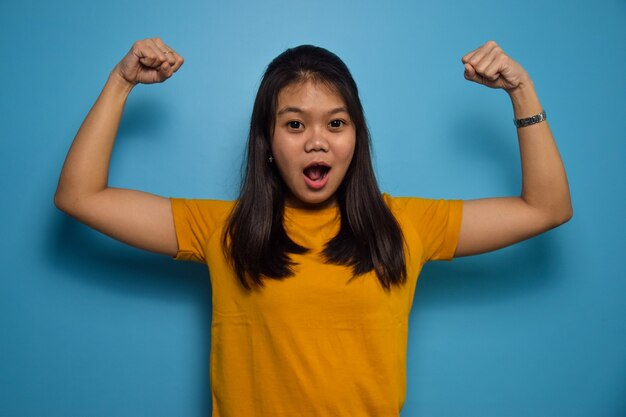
x=299, y=110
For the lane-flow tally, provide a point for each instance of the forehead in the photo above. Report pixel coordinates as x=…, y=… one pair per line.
x=309, y=94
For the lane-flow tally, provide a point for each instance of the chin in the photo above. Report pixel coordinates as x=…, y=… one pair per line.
x=315, y=202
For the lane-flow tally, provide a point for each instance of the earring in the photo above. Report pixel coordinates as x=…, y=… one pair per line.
x=271, y=159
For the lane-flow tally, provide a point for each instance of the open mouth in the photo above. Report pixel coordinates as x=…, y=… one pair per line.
x=316, y=171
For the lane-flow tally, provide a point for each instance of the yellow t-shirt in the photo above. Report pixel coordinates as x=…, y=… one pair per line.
x=313, y=344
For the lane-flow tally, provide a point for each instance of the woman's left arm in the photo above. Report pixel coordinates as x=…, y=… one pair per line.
x=493, y=223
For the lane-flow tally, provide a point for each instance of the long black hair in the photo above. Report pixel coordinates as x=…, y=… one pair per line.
x=255, y=239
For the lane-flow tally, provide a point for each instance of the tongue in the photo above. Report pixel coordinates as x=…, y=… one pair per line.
x=315, y=172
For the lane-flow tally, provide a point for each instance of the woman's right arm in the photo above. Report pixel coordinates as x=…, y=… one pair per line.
x=139, y=219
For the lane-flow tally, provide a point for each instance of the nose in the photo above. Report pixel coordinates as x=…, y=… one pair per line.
x=316, y=142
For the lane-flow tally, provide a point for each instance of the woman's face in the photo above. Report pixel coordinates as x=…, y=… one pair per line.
x=313, y=143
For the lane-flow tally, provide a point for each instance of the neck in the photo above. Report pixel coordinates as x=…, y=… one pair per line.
x=293, y=202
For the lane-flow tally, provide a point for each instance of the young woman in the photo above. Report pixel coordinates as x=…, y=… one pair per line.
x=312, y=268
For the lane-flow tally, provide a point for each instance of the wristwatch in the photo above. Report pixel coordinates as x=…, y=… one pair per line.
x=537, y=118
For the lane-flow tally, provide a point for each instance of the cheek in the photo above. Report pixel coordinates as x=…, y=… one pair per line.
x=283, y=157
x=347, y=151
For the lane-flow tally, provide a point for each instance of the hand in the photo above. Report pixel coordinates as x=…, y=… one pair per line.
x=148, y=61
x=490, y=66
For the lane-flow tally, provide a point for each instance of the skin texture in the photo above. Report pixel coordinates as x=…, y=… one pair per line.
x=139, y=219
x=145, y=220
x=492, y=223
x=312, y=126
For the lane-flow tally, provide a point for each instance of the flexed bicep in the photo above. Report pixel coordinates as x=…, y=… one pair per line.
x=493, y=223
x=140, y=219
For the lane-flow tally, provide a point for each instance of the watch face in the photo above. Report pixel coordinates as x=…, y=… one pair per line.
x=531, y=120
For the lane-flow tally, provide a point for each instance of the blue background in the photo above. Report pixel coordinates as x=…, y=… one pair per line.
x=90, y=327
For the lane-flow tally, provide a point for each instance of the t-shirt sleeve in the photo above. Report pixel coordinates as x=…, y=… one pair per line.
x=195, y=221
x=437, y=222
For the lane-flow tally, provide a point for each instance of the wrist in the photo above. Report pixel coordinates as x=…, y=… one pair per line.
x=119, y=82
x=525, y=100
x=523, y=90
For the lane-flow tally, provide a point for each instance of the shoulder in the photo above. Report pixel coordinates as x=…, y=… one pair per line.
x=204, y=203
x=420, y=210
x=399, y=205
x=202, y=208
x=436, y=223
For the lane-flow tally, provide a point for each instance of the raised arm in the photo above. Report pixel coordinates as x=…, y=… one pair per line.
x=544, y=203
x=140, y=219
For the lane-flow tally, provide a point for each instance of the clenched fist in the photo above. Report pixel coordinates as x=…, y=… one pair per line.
x=149, y=61
x=489, y=65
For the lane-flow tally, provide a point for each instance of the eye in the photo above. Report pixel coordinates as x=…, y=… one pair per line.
x=335, y=124
x=294, y=125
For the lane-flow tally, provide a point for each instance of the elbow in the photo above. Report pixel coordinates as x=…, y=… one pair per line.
x=72, y=202
x=64, y=202
x=552, y=213
x=562, y=215
x=565, y=217
x=60, y=202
